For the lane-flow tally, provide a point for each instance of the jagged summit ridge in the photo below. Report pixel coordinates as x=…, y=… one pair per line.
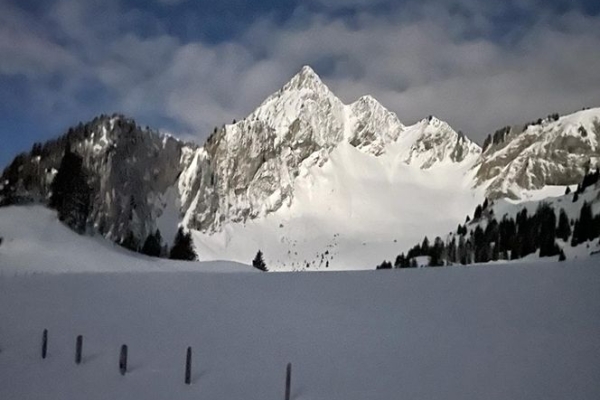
x=255, y=162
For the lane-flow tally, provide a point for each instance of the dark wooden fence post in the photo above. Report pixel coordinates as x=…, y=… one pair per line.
x=78, y=349
x=288, y=381
x=123, y=360
x=188, y=366
x=44, y=343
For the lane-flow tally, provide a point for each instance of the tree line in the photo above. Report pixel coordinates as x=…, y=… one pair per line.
x=484, y=238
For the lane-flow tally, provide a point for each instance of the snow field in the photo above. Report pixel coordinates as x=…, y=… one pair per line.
x=502, y=332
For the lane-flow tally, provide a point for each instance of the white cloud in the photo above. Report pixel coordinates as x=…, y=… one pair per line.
x=421, y=60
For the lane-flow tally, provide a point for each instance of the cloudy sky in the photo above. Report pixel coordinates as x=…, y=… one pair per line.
x=185, y=66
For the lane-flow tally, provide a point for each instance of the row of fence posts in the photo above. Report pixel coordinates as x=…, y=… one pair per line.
x=123, y=361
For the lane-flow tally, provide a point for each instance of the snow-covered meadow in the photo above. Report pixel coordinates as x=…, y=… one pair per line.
x=518, y=331
x=497, y=332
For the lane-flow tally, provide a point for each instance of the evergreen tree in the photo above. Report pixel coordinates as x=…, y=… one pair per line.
x=481, y=246
x=384, y=265
x=525, y=233
x=425, y=247
x=70, y=192
x=436, y=252
x=153, y=245
x=452, y=251
x=401, y=261
x=585, y=229
x=477, y=213
x=413, y=263
x=461, y=251
x=182, y=247
x=130, y=242
x=546, y=234
x=259, y=262
x=564, y=228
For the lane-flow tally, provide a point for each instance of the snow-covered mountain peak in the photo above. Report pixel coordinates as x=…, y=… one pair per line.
x=306, y=79
x=303, y=111
x=372, y=126
x=432, y=141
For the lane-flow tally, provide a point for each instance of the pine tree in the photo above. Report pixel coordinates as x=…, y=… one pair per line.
x=481, y=245
x=384, y=265
x=477, y=213
x=259, y=262
x=400, y=259
x=546, y=220
x=153, y=245
x=70, y=192
x=130, y=242
x=436, y=252
x=425, y=247
x=586, y=224
x=564, y=228
x=183, y=248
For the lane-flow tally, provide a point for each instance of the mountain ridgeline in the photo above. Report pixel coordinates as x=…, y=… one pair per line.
x=138, y=181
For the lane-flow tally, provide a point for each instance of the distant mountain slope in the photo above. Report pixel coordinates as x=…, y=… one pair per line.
x=553, y=151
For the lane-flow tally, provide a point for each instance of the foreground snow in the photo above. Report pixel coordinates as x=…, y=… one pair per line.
x=519, y=331
x=501, y=332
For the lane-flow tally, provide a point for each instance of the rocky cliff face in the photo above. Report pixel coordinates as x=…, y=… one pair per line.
x=129, y=169
x=554, y=151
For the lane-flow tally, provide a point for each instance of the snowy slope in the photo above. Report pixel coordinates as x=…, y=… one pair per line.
x=34, y=241
x=351, y=213
x=458, y=333
x=318, y=184
x=508, y=208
